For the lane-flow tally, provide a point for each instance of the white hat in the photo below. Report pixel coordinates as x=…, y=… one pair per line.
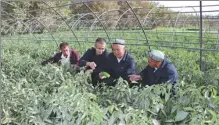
x=156, y=55
x=119, y=41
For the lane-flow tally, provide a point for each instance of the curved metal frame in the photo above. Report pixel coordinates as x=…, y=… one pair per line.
x=22, y=23
x=104, y=28
x=139, y=24
x=148, y=14
x=176, y=22
x=98, y=19
x=64, y=21
x=38, y=22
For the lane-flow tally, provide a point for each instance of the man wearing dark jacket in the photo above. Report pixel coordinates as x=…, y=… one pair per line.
x=120, y=63
x=66, y=55
x=95, y=59
x=159, y=70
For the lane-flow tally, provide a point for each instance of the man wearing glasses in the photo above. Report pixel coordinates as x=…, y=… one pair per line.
x=120, y=63
x=159, y=70
x=95, y=59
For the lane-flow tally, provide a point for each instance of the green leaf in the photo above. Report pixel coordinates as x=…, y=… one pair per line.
x=214, y=92
x=214, y=115
x=188, y=108
x=169, y=86
x=207, y=93
x=7, y=120
x=164, y=112
x=167, y=97
x=181, y=115
x=173, y=109
x=170, y=121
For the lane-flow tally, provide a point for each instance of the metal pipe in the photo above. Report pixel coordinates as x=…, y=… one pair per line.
x=64, y=21
x=0, y=67
x=200, y=37
x=104, y=28
x=139, y=24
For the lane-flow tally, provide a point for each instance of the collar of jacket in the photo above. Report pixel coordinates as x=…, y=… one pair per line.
x=93, y=50
x=163, y=63
x=124, y=58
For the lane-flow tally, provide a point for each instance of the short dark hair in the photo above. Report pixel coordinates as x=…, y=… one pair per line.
x=63, y=44
x=100, y=40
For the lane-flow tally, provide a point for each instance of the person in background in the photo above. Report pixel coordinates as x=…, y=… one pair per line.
x=95, y=59
x=120, y=63
x=66, y=55
x=159, y=70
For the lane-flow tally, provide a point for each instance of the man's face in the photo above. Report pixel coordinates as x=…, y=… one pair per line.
x=65, y=51
x=118, y=50
x=152, y=63
x=100, y=48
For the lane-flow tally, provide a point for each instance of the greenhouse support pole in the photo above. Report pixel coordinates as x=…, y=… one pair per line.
x=104, y=28
x=200, y=35
x=0, y=66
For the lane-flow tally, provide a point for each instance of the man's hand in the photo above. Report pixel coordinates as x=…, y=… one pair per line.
x=92, y=65
x=134, y=77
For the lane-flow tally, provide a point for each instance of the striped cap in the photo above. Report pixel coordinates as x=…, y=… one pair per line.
x=119, y=41
x=156, y=55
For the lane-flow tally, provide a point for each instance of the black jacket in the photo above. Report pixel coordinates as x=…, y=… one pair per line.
x=90, y=56
x=166, y=73
x=123, y=69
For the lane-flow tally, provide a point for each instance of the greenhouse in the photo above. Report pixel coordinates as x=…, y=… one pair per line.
x=36, y=94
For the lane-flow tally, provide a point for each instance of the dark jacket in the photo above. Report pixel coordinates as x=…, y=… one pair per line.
x=90, y=56
x=74, y=58
x=166, y=73
x=123, y=69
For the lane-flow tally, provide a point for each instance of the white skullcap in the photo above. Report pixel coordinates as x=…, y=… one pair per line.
x=119, y=41
x=156, y=55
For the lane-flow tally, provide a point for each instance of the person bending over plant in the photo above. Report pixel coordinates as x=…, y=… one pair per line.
x=159, y=70
x=66, y=56
x=94, y=59
x=120, y=64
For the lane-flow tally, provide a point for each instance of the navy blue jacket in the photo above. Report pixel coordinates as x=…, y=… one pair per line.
x=123, y=69
x=166, y=73
x=90, y=56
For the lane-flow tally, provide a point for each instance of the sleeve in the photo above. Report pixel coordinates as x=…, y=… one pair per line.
x=142, y=72
x=108, y=66
x=50, y=60
x=76, y=57
x=171, y=75
x=84, y=59
x=103, y=65
x=131, y=68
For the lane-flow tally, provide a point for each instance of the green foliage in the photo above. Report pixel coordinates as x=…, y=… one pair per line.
x=51, y=94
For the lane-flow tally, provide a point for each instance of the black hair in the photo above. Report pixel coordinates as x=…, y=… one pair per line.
x=100, y=40
x=63, y=44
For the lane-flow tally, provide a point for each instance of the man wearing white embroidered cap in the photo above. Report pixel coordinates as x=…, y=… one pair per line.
x=120, y=63
x=159, y=70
